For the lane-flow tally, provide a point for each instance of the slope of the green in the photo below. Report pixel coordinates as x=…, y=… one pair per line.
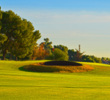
x=16, y=84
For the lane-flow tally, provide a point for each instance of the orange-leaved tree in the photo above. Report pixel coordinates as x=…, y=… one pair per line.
x=39, y=52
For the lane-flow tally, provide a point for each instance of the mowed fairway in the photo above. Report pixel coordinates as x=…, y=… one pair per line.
x=16, y=84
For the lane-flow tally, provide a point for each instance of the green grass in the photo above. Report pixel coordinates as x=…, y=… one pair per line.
x=16, y=84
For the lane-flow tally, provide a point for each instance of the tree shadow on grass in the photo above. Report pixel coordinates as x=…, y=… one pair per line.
x=39, y=69
x=22, y=69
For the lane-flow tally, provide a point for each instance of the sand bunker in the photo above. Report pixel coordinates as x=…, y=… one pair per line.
x=58, y=67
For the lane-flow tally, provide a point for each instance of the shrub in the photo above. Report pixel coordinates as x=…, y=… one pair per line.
x=60, y=55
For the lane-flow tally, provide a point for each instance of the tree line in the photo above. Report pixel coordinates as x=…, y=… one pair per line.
x=18, y=41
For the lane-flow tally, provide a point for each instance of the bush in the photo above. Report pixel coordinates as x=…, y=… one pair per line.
x=60, y=55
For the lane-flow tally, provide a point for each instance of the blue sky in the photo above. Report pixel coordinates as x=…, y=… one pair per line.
x=68, y=22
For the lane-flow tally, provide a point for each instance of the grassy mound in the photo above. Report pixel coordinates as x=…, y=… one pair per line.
x=58, y=66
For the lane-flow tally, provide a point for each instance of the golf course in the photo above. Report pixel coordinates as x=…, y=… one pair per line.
x=19, y=84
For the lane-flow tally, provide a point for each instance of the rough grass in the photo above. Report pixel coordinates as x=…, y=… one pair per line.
x=59, y=67
x=16, y=84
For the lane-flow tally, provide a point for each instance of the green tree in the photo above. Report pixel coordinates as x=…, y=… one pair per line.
x=47, y=45
x=59, y=55
x=62, y=47
x=25, y=42
x=10, y=23
x=89, y=58
x=20, y=33
x=3, y=37
x=75, y=55
x=71, y=54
